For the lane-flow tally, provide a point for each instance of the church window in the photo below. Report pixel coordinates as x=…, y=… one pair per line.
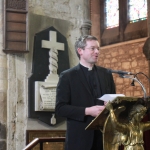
x=122, y=20
x=137, y=10
x=112, y=13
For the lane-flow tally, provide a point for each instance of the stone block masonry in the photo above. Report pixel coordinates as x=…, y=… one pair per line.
x=127, y=57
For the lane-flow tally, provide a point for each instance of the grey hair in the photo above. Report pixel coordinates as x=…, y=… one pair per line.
x=81, y=42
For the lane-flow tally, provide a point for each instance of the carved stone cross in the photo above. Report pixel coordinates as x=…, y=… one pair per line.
x=53, y=46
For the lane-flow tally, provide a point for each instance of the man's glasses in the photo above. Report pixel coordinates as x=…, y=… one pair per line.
x=92, y=48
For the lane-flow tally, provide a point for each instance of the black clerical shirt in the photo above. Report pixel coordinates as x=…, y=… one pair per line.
x=92, y=79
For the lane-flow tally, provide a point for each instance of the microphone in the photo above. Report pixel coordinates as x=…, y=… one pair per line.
x=121, y=72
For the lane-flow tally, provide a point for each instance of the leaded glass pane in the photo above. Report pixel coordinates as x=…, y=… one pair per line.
x=137, y=10
x=112, y=13
x=16, y=4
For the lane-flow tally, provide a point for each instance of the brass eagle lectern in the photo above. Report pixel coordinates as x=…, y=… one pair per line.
x=120, y=122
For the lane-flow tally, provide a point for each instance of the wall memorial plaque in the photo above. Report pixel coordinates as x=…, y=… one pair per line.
x=50, y=58
x=45, y=97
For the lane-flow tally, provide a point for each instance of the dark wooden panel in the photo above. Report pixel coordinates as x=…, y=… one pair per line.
x=16, y=17
x=19, y=46
x=32, y=134
x=12, y=26
x=15, y=36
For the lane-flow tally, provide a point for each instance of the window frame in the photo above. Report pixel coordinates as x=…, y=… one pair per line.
x=125, y=31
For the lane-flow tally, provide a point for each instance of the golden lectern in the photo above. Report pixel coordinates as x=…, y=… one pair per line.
x=120, y=123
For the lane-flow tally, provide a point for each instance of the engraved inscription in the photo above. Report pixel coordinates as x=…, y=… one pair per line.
x=48, y=98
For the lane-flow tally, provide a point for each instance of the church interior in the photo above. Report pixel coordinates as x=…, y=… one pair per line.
x=24, y=59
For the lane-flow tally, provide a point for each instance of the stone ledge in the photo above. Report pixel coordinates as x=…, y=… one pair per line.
x=124, y=43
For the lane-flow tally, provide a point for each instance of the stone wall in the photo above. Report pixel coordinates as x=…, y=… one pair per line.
x=3, y=86
x=74, y=11
x=126, y=56
x=17, y=101
x=19, y=68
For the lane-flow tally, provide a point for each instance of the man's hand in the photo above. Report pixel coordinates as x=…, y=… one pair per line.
x=94, y=110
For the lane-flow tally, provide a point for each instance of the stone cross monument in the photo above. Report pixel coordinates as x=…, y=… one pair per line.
x=45, y=92
x=54, y=46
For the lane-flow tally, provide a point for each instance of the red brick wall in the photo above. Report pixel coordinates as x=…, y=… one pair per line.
x=129, y=57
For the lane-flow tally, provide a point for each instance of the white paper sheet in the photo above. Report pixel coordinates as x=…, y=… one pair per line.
x=109, y=97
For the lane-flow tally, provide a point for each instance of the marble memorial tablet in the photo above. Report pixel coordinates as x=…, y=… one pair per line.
x=45, y=96
x=48, y=98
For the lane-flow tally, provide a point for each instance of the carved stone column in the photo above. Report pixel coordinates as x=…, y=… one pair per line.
x=85, y=27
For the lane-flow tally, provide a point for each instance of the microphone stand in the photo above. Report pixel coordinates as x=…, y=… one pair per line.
x=135, y=79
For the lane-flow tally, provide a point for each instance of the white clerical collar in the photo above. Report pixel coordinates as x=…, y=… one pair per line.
x=89, y=68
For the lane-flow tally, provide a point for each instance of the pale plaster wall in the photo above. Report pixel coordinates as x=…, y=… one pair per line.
x=73, y=11
x=3, y=86
x=18, y=71
x=17, y=101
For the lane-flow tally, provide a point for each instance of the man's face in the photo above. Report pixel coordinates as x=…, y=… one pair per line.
x=89, y=55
